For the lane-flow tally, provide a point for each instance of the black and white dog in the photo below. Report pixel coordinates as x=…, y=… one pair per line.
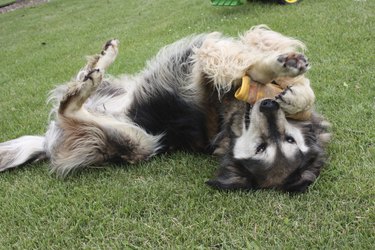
x=184, y=100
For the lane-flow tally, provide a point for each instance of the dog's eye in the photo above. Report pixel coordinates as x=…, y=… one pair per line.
x=261, y=148
x=290, y=139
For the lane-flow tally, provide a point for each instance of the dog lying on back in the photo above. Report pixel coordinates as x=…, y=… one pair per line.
x=184, y=100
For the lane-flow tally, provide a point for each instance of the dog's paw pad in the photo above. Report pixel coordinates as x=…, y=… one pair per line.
x=293, y=63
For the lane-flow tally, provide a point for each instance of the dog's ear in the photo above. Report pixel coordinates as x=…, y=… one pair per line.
x=228, y=178
x=299, y=182
x=307, y=173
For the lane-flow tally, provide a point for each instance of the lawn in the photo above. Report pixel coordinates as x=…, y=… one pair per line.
x=3, y=2
x=164, y=203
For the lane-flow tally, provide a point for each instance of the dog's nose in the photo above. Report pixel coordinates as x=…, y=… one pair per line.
x=268, y=105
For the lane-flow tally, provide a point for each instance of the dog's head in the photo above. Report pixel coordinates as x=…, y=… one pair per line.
x=271, y=151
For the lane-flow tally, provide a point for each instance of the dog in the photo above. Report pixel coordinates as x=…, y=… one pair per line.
x=184, y=100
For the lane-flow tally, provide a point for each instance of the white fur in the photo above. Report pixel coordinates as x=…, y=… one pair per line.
x=20, y=150
x=289, y=149
x=254, y=53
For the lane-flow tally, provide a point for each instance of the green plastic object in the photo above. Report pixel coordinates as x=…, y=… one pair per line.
x=226, y=2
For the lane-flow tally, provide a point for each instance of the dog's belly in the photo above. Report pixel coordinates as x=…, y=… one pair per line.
x=182, y=123
x=113, y=98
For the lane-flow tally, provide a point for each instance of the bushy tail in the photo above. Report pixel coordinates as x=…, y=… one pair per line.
x=22, y=150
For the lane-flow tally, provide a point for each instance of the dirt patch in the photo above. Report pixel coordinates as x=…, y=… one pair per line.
x=14, y=5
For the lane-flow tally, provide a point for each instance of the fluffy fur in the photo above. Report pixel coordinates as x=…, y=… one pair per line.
x=184, y=100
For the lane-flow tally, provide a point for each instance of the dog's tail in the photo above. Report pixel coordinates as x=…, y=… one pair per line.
x=20, y=151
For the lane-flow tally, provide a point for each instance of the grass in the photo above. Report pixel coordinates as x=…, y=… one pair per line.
x=164, y=203
x=2, y=2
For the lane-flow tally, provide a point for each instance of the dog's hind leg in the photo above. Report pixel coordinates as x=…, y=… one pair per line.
x=76, y=143
x=80, y=138
x=88, y=79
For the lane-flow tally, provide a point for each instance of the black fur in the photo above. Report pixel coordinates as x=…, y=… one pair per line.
x=182, y=123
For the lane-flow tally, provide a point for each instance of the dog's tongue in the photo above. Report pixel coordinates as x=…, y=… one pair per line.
x=251, y=92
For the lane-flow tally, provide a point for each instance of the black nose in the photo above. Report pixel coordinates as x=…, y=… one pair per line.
x=268, y=105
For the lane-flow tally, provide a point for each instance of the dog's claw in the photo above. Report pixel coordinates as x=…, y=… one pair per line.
x=282, y=94
x=108, y=54
x=280, y=97
x=288, y=88
x=89, y=75
x=113, y=42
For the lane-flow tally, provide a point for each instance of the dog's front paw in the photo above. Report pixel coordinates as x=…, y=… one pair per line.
x=286, y=101
x=292, y=64
x=295, y=99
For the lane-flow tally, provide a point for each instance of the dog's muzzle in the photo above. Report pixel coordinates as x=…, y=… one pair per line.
x=268, y=106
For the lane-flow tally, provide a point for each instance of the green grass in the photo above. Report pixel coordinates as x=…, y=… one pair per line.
x=164, y=203
x=2, y=2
